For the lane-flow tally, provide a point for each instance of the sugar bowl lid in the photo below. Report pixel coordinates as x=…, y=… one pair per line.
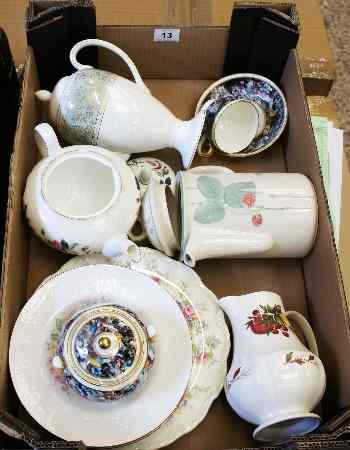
x=105, y=347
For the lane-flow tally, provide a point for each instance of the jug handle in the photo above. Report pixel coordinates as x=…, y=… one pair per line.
x=113, y=48
x=300, y=320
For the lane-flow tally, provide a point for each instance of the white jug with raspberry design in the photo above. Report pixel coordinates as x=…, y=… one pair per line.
x=274, y=382
x=245, y=215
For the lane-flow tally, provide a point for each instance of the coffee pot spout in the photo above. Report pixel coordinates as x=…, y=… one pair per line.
x=43, y=95
x=225, y=244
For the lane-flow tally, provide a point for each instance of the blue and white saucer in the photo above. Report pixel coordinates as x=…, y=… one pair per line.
x=253, y=88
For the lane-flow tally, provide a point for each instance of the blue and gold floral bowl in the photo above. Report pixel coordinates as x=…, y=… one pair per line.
x=104, y=352
x=248, y=87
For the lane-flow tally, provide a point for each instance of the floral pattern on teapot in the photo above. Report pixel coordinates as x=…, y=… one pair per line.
x=63, y=246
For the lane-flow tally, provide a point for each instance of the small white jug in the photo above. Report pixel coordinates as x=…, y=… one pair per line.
x=274, y=380
x=100, y=108
x=81, y=199
x=245, y=215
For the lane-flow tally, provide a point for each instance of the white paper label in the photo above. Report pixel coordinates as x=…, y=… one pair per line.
x=166, y=34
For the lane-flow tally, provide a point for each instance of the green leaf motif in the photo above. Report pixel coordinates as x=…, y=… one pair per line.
x=209, y=211
x=234, y=193
x=210, y=187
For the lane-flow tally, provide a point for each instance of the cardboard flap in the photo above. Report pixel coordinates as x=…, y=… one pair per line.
x=17, y=429
x=260, y=39
x=323, y=282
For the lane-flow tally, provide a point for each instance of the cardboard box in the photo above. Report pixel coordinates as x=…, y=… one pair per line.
x=312, y=286
x=325, y=106
x=316, y=61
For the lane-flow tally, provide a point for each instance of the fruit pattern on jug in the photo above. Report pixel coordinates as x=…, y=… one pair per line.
x=267, y=319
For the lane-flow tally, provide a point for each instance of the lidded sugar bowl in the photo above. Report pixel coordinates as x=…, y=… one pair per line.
x=104, y=352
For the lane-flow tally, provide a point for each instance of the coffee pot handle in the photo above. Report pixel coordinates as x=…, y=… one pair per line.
x=113, y=48
x=304, y=325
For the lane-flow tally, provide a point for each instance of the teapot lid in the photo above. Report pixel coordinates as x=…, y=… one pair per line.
x=105, y=347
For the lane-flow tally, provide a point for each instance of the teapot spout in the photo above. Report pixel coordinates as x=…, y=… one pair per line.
x=121, y=247
x=186, y=135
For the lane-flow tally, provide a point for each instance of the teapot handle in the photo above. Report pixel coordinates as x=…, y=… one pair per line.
x=99, y=43
x=300, y=320
x=46, y=140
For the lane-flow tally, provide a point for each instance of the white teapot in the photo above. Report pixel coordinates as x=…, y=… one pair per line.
x=274, y=381
x=81, y=199
x=100, y=108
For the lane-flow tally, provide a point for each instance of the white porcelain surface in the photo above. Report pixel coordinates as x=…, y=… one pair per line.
x=256, y=215
x=99, y=108
x=235, y=126
x=274, y=380
x=63, y=412
x=81, y=199
x=209, y=335
x=157, y=219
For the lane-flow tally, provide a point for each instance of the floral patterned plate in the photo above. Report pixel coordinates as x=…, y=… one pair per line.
x=39, y=382
x=254, y=88
x=208, y=331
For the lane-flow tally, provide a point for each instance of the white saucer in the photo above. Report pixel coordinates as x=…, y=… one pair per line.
x=208, y=331
x=62, y=411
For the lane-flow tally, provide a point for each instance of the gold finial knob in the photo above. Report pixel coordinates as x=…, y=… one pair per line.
x=104, y=342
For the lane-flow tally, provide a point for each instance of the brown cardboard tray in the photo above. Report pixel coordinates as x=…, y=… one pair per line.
x=312, y=286
x=315, y=55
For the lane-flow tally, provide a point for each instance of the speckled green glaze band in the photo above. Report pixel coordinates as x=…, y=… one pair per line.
x=78, y=120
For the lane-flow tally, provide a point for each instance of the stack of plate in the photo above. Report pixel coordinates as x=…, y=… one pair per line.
x=191, y=348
